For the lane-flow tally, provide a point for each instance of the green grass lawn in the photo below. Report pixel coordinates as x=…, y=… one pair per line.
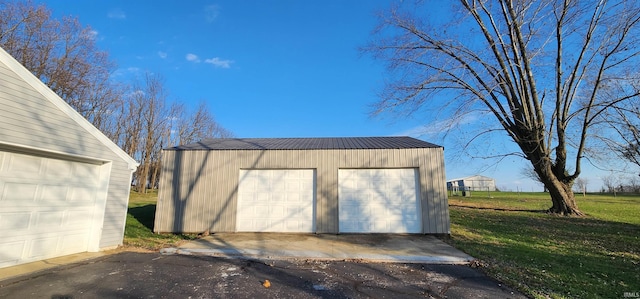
x=597, y=256
x=139, y=228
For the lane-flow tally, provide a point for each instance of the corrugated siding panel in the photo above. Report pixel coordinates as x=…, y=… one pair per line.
x=198, y=189
x=28, y=119
x=441, y=194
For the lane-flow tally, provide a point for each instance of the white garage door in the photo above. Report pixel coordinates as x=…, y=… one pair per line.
x=379, y=201
x=46, y=207
x=276, y=200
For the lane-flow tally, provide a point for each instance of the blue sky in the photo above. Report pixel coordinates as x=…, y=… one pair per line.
x=271, y=68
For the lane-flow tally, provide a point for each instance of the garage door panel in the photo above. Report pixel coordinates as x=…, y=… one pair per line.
x=21, y=165
x=407, y=210
x=54, y=193
x=88, y=172
x=348, y=184
x=278, y=184
x=41, y=247
x=72, y=243
x=278, y=197
x=261, y=186
x=82, y=194
x=76, y=218
x=11, y=252
x=295, y=198
x=52, y=219
x=260, y=197
x=351, y=226
x=282, y=201
x=295, y=212
x=378, y=200
x=293, y=226
x=46, y=206
x=277, y=211
x=59, y=169
x=14, y=221
x=19, y=192
x=347, y=215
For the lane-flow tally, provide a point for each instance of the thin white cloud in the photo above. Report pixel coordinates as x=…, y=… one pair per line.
x=136, y=93
x=127, y=72
x=211, y=12
x=192, y=57
x=215, y=61
x=162, y=55
x=116, y=14
x=221, y=63
x=92, y=35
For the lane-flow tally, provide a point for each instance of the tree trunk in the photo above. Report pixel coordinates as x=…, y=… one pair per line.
x=143, y=175
x=154, y=174
x=564, y=201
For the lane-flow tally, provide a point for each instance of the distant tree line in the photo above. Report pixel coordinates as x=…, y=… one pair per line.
x=138, y=116
x=617, y=184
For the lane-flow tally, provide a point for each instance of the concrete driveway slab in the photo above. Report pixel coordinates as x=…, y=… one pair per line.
x=371, y=247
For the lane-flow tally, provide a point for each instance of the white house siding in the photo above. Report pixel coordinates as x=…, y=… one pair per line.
x=115, y=214
x=198, y=188
x=29, y=119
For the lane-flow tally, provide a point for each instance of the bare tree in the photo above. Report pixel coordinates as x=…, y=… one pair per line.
x=149, y=121
x=151, y=98
x=624, y=120
x=196, y=125
x=634, y=184
x=530, y=173
x=610, y=183
x=539, y=68
x=184, y=126
x=63, y=54
x=581, y=185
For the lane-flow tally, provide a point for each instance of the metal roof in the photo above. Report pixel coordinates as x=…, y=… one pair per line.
x=306, y=143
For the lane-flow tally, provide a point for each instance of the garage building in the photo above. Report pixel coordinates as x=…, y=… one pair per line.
x=306, y=185
x=64, y=186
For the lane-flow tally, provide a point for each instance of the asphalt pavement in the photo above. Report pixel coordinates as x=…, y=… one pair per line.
x=155, y=275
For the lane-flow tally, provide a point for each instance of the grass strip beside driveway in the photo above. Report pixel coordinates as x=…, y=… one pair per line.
x=139, y=228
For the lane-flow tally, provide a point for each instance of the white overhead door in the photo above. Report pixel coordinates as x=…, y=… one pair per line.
x=379, y=201
x=48, y=207
x=276, y=200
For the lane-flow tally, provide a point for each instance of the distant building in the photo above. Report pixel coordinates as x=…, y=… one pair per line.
x=472, y=183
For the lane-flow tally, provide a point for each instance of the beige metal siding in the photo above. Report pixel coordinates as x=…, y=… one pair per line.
x=198, y=189
x=28, y=119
